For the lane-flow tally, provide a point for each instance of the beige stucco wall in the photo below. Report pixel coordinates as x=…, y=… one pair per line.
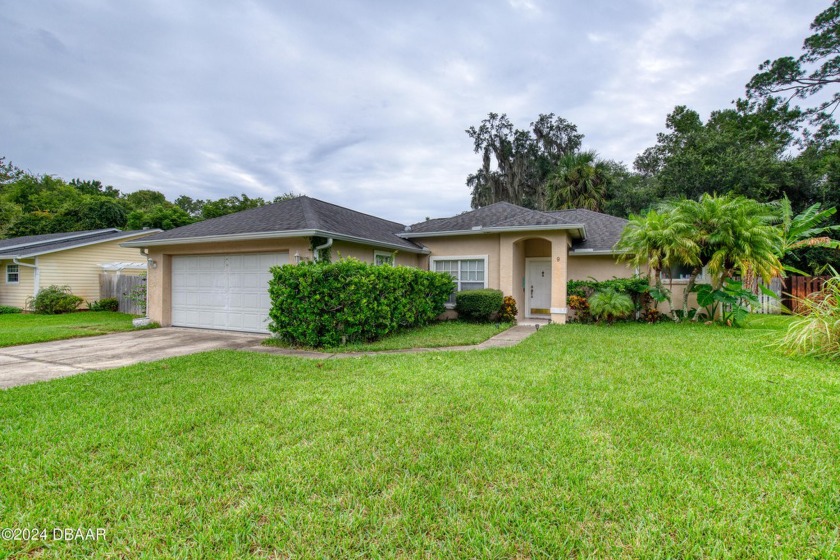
x=159, y=282
x=15, y=294
x=468, y=246
x=598, y=267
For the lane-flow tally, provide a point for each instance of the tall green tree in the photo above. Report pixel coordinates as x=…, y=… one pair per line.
x=792, y=78
x=516, y=162
x=579, y=180
x=229, y=205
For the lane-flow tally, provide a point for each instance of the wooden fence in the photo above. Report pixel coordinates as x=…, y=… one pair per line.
x=768, y=304
x=800, y=287
x=120, y=286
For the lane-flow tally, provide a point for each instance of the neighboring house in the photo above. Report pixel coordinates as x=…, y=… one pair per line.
x=214, y=274
x=73, y=259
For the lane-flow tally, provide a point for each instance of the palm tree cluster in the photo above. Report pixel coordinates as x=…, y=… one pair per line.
x=727, y=236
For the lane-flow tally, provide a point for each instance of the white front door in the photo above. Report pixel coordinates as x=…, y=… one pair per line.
x=228, y=292
x=538, y=287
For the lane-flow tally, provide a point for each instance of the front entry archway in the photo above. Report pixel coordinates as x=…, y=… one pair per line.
x=538, y=287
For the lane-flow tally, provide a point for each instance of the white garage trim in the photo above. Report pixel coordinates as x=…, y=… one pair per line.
x=226, y=292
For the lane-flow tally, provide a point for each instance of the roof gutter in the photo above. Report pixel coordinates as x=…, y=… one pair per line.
x=271, y=235
x=594, y=252
x=17, y=262
x=84, y=244
x=316, y=252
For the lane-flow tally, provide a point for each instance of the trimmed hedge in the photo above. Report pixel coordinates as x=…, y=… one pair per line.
x=327, y=304
x=479, y=305
x=8, y=310
x=54, y=301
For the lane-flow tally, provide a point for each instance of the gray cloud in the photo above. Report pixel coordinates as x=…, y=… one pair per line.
x=360, y=103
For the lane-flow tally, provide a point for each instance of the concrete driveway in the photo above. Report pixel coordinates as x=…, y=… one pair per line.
x=20, y=365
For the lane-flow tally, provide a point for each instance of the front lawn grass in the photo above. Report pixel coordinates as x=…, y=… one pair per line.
x=436, y=335
x=26, y=328
x=628, y=441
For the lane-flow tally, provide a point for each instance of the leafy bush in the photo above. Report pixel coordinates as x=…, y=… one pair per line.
x=327, y=304
x=104, y=304
x=731, y=298
x=609, y=305
x=8, y=310
x=509, y=311
x=630, y=286
x=816, y=331
x=479, y=305
x=54, y=300
x=580, y=305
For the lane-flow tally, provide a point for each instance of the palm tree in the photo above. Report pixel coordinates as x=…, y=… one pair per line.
x=733, y=235
x=579, y=181
x=805, y=229
x=656, y=241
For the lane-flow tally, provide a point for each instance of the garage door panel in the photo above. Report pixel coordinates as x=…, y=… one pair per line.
x=223, y=291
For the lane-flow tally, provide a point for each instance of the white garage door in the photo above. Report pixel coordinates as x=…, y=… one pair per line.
x=228, y=292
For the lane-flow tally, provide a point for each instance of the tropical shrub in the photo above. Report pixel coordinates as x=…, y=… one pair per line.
x=54, y=300
x=479, y=305
x=730, y=303
x=508, y=312
x=8, y=310
x=816, y=330
x=104, y=304
x=327, y=304
x=609, y=305
x=580, y=305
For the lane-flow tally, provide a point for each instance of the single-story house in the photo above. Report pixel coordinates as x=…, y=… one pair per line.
x=73, y=259
x=214, y=274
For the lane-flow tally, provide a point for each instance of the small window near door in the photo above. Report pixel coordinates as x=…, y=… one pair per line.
x=382, y=258
x=12, y=274
x=469, y=273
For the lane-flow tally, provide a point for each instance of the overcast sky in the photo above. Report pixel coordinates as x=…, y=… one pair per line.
x=363, y=104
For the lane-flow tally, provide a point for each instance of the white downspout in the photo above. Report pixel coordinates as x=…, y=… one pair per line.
x=319, y=248
x=37, y=279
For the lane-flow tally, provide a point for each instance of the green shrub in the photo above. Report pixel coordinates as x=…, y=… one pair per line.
x=816, y=330
x=104, y=304
x=8, y=310
x=609, y=305
x=479, y=305
x=328, y=304
x=54, y=300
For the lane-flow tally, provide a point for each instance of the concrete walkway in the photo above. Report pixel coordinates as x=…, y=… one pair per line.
x=30, y=363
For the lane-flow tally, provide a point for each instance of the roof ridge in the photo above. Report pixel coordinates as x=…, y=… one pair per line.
x=318, y=200
x=68, y=236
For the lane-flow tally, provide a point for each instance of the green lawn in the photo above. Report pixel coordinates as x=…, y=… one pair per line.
x=26, y=328
x=436, y=335
x=636, y=441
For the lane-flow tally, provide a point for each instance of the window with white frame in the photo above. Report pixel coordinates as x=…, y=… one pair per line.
x=469, y=273
x=383, y=258
x=12, y=274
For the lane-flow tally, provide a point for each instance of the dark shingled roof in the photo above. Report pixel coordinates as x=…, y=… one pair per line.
x=500, y=214
x=602, y=230
x=21, y=247
x=297, y=214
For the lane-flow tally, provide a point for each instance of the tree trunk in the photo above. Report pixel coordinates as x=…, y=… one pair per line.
x=688, y=287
